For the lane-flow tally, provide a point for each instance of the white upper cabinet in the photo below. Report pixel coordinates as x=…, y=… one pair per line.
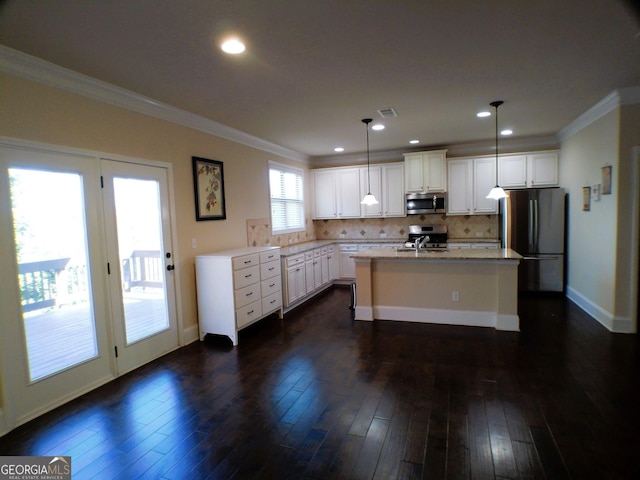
x=469, y=182
x=393, y=199
x=375, y=173
x=542, y=169
x=484, y=179
x=348, y=188
x=337, y=192
x=513, y=171
x=529, y=170
x=460, y=188
x=326, y=201
x=425, y=171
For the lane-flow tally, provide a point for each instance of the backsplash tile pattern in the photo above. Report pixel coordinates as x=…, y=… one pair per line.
x=259, y=234
x=467, y=227
x=464, y=227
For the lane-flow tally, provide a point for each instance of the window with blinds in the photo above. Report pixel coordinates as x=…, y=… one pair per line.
x=287, y=199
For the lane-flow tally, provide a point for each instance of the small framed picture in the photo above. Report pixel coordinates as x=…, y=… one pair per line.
x=586, y=199
x=208, y=184
x=606, y=180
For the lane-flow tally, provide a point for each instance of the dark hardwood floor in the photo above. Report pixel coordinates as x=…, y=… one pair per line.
x=320, y=396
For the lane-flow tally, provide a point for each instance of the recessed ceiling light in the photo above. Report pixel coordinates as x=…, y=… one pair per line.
x=506, y=131
x=413, y=142
x=338, y=149
x=483, y=114
x=233, y=46
x=377, y=126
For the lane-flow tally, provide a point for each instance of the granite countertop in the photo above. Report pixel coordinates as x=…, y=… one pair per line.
x=306, y=246
x=457, y=254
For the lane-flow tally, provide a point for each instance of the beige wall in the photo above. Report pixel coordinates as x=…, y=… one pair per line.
x=31, y=111
x=591, y=247
x=599, y=240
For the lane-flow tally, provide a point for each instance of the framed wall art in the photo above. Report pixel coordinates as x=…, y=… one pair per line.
x=606, y=180
x=208, y=184
x=586, y=199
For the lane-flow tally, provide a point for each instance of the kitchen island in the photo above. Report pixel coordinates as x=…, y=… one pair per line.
x=455, y=287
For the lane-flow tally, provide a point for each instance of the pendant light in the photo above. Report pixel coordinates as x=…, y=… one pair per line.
x=368, y=199
x=497, y=192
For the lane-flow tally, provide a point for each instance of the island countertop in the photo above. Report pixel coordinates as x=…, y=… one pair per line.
x=448, y=255
x=456, y=287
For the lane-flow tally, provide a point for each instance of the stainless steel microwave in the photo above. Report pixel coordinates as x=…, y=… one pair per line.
x=421, y=203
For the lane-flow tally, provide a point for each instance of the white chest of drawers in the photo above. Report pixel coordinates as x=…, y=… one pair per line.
x=237, y=288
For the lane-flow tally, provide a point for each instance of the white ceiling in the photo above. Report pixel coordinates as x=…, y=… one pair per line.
x=315, y=68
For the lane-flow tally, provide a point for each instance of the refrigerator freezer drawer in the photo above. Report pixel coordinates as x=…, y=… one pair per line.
x=543, y=273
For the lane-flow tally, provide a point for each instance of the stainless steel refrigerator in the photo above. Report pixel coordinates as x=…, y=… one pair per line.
x=533, y=224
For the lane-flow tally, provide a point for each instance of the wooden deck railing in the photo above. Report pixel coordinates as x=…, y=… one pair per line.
x=144, y=268
x=54, y=282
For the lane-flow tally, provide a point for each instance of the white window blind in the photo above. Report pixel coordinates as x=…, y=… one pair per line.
x=287, y=199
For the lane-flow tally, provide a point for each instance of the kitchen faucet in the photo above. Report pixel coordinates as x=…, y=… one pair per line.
x=420, y=242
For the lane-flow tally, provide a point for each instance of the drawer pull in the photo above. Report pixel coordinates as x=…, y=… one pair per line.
x=249, y=313
x=249, y=294
x=271, y=268
x=272, y=301
x=247, y=276
x=247, y=261
x=272, y=285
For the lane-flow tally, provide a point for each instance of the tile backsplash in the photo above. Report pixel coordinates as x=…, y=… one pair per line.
x=259, y=234
x=467, y=227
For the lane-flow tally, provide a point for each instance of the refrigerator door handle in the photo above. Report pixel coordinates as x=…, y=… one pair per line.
x=535, y=225
x=530, y=230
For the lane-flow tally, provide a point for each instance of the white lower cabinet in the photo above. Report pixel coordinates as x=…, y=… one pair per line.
x=334, y=263
x=348, y=264
x=307, y=273
x=295, y=281
x=237, y=288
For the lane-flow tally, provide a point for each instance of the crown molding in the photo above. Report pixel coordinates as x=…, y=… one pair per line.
x=617, y=98
x=32, y=68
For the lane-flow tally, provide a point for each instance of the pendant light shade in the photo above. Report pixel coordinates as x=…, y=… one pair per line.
x=368, y=199
x=497, y=192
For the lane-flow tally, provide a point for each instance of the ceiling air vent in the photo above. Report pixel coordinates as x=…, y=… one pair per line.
x=388, y=112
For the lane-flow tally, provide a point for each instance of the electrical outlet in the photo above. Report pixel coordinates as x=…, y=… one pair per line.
x=455, y=296
x=479, y=234
x=194, y=243
x=383, y=235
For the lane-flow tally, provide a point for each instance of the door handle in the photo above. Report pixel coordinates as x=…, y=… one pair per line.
x=171, y=267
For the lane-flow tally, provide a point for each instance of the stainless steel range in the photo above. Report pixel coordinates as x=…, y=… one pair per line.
x=437, y=237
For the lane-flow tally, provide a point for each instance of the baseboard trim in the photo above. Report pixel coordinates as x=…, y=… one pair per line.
x=602, y=316
x=447, y=317
x=190, y=335
x=60, y=401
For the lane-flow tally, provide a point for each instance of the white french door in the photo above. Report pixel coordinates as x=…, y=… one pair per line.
x=141, y=262
x=55, y=337
x=87, y=261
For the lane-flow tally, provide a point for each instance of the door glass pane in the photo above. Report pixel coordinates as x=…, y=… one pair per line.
x=139, y=229
x=51, y=249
